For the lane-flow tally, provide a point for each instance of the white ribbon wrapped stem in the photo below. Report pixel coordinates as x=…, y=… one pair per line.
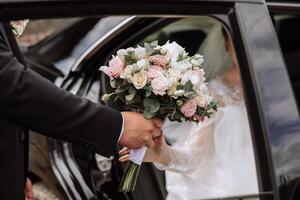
x=137, y=155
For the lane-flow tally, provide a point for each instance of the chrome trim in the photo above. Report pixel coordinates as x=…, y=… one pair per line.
x=106, y=36
x=280, y=5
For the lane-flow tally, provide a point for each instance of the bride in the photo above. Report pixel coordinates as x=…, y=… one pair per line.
x=215, y=158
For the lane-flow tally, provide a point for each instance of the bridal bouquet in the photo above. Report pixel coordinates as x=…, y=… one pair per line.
x=158, y=81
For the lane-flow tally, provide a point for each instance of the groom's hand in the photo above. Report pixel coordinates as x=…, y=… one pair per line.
x=139, y=131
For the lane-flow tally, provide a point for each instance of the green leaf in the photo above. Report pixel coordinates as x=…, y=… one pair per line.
x=138, y=99
x=129, y=58
x=129, y=97
x=116, y=98
x=121, y=96
x=107, y=97
x=200, y=111
x=148, y=115
x=179, y=103
x=190, y=94
x=116, y=82
x=149, y=48
x=148, y=93
x=180, y=87
x=176, y=116
x=132, y=90
x=181, y=56
x=188, y=86
x=121, y=89
x=151, y=105
x=214, y=105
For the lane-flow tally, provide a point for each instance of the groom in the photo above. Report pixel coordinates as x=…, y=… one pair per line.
x=28, y=100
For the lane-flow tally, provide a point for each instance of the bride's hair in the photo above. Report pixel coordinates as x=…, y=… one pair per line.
x=217, y=60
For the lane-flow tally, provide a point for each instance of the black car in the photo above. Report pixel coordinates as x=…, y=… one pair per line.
x=267, y=43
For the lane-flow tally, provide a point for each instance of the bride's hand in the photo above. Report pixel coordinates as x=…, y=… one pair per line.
x=153, y=154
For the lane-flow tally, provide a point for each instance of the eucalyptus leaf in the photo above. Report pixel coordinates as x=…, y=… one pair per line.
x=148, y=115
x=151, y=105
x=179, y=103
x=188, y=86
x=190, y=94
x=129, y=97
x=116, y=82
x=155, y=107
x=107, y=97
x=121, y=96
x=129, y=58
x=121, y=89
x=149, y=48
x=132, y=90
x=148, y=93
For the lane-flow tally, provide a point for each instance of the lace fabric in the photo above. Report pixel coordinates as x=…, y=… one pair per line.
x=215, y=158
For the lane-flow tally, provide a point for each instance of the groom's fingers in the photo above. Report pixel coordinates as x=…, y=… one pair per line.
x=156, y=133
x=157, y=122
x=124, y=151
x=124, y=158
x=150, y=143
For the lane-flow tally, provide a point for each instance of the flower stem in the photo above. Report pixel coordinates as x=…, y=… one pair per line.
x=129, y=178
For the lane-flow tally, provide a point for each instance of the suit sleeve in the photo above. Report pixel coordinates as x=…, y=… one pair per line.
x=31, y=101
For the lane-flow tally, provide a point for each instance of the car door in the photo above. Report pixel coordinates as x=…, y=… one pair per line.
x=286, y=20
x=268, y=94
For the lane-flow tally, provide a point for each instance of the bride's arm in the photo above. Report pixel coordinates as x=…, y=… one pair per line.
x=184, y=157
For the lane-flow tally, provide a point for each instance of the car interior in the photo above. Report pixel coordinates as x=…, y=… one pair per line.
x=288, y=31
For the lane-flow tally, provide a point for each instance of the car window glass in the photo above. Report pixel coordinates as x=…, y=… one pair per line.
x=288, y=30
x=38, y=30
x=56, y=44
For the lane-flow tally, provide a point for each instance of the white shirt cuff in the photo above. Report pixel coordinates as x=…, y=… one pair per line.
x=122, y=130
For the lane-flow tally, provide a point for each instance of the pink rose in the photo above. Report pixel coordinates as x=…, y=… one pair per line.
x=116, y=67
x=154, y=71
x=159, y=85
x=189, y=107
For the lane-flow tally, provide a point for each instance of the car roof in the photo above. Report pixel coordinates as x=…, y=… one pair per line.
x=129, y=1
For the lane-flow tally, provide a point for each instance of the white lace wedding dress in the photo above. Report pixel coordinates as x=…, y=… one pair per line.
x=215, y=158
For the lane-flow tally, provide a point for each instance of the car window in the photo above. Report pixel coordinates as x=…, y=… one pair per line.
x=56, y=44
x=208, y=37
x=38, y=30
x=288, y=30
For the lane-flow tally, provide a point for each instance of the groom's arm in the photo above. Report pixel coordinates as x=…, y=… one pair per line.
x=31, y=101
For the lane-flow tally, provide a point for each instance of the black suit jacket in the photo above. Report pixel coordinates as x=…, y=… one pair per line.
x=30, y=101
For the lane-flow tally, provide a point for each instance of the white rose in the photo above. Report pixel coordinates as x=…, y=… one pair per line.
x=139, y=53
x=201, y=99
x=121, y=53
x=174, y=73
x=172, y=50
x=130, y=49
x=203, y=88
x=159, y=85
x=181, y=65
x=195, y=76
x=172, y=81
x=139, y=80
x=143, y=64
x=197, y=60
